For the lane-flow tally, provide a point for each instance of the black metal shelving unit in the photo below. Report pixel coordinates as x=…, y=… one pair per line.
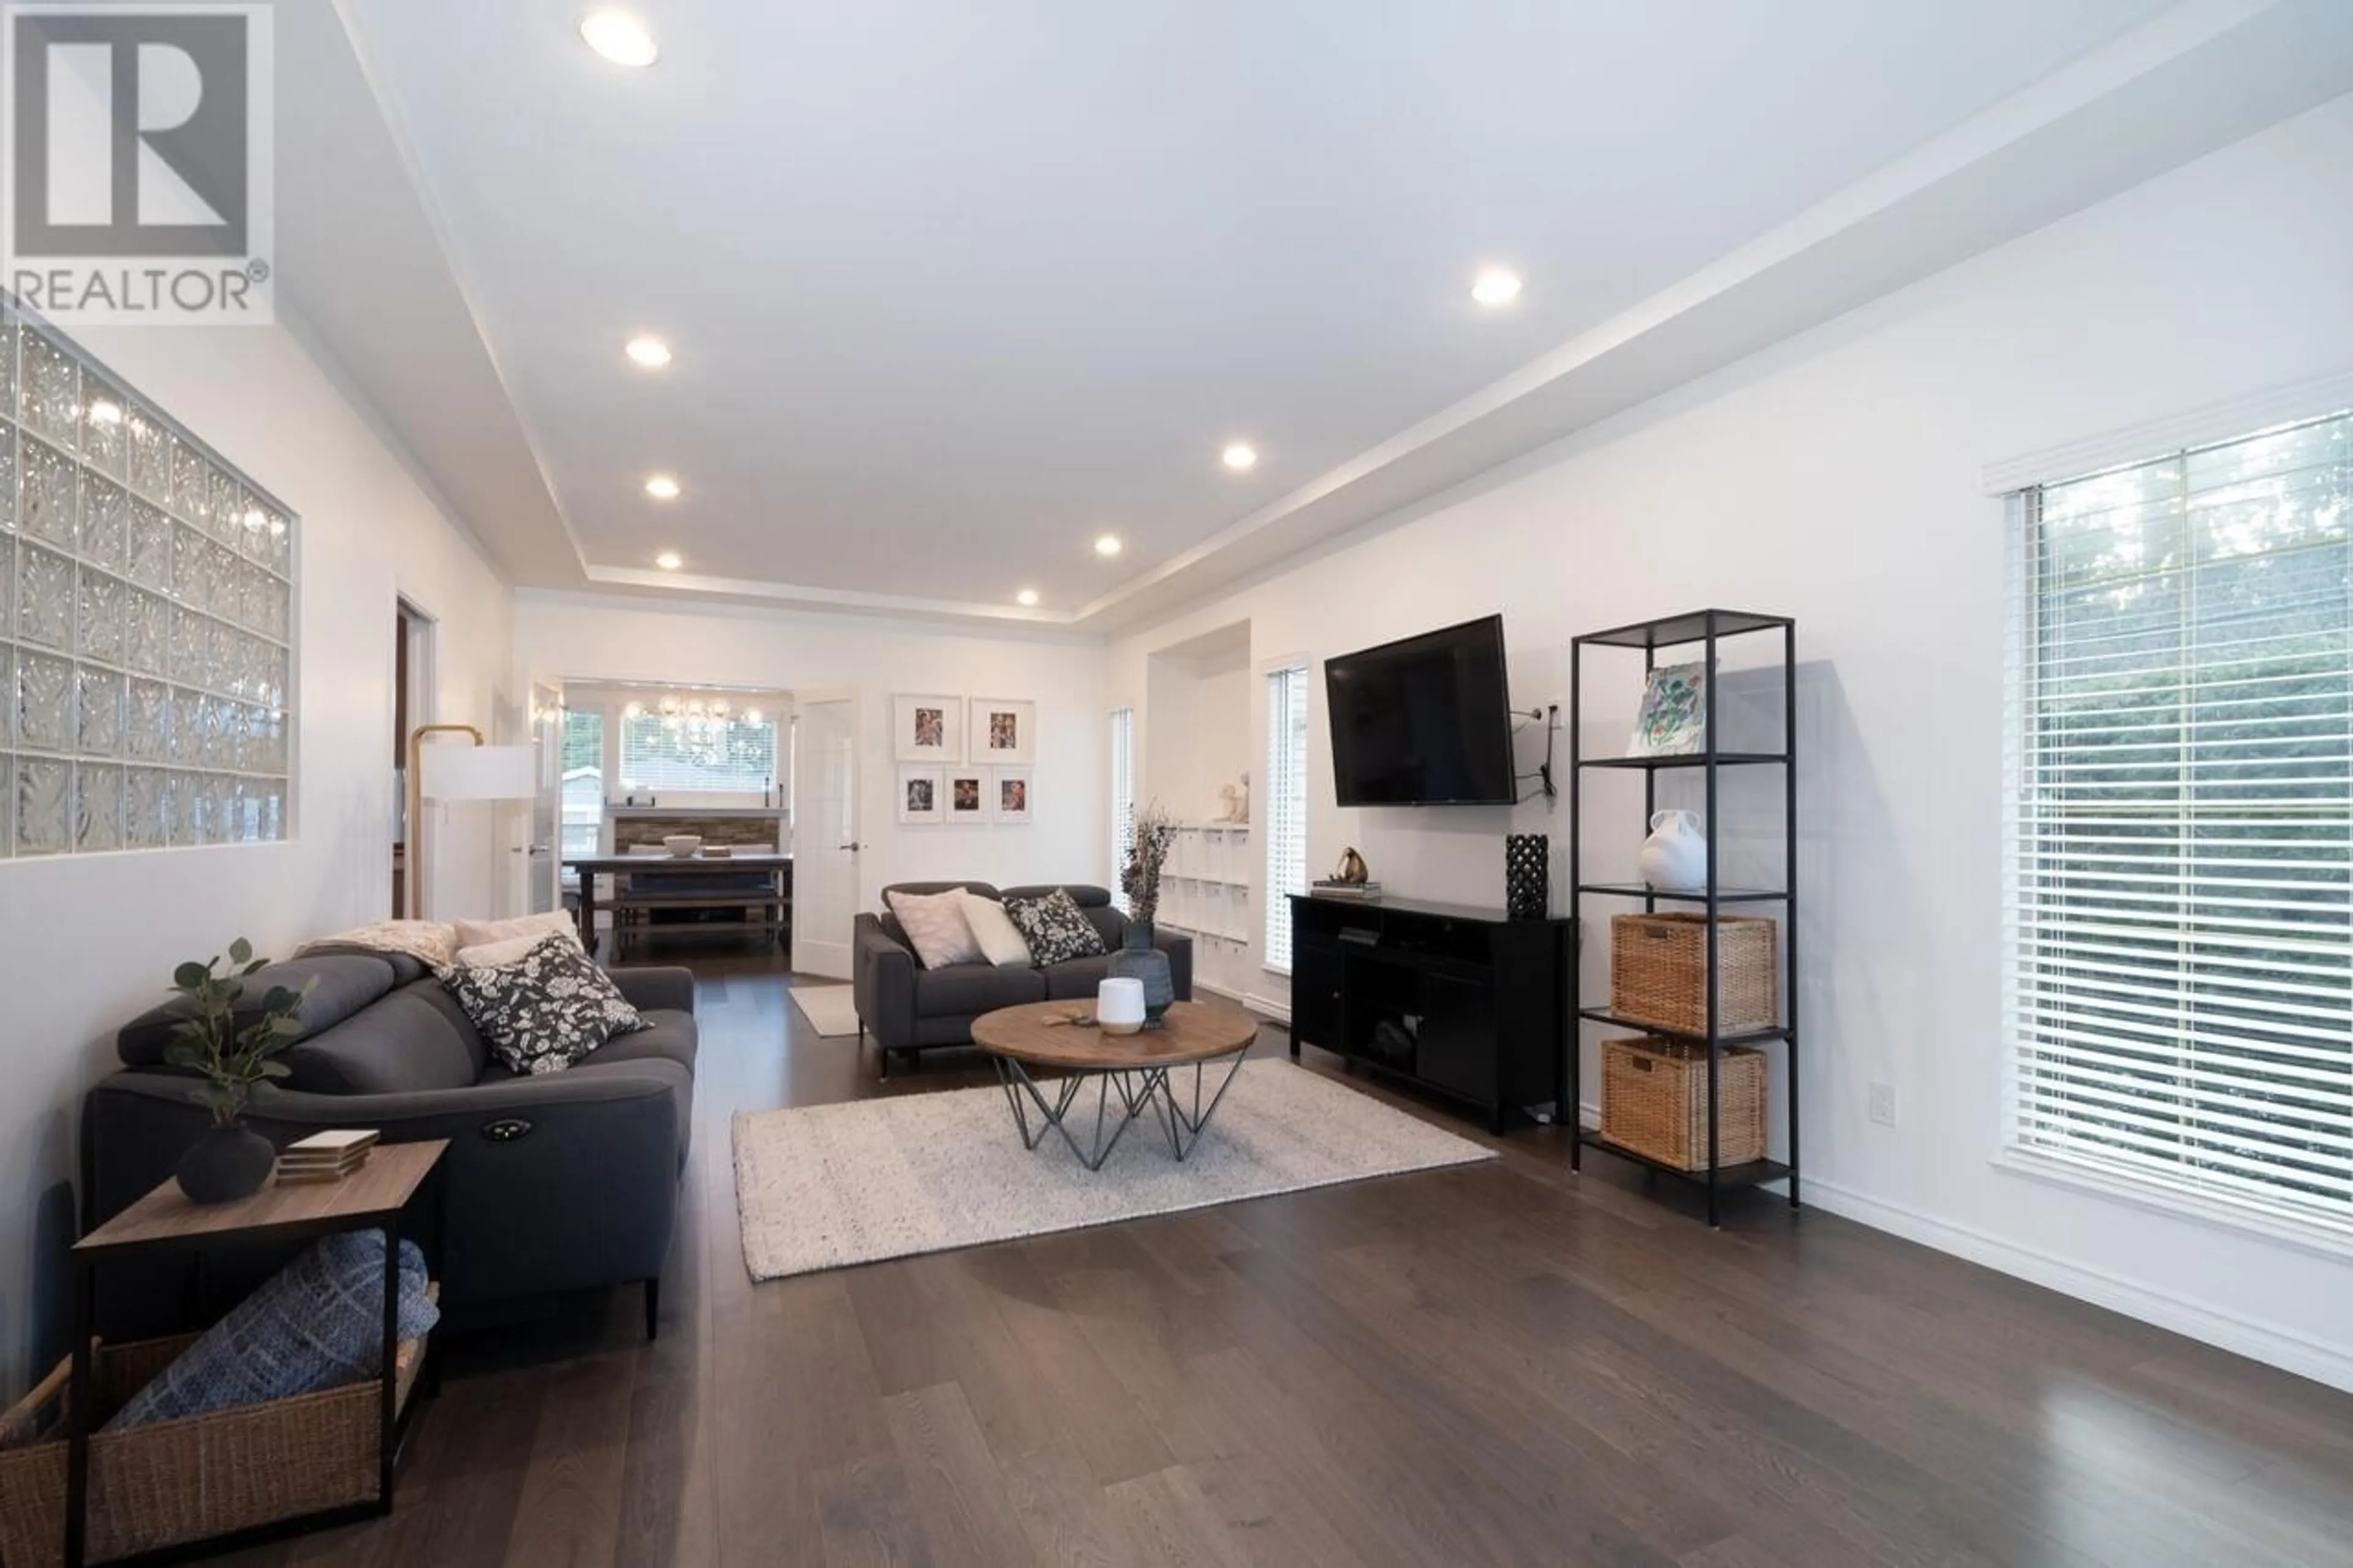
x=1707, y=628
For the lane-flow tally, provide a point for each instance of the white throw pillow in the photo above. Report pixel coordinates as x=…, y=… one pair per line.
x=480, y=933
x=936, y=928
x=1000, y=941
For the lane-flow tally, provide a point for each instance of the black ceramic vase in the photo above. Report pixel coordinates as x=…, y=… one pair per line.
x=225, y=1164
x=1527, y=876
x=1138, y=959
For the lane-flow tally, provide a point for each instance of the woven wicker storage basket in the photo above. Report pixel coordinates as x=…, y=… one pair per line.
x=1658, y=972
x=174, y=1481
x=1654, y=1102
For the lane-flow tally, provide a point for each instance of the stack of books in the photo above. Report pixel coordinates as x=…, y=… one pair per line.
x=1324, y=888
x=324, y=1156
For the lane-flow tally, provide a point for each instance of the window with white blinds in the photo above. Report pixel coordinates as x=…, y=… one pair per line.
x=669, y=754
x=2179, y=929
x=1284, y=813
x=1122, y=800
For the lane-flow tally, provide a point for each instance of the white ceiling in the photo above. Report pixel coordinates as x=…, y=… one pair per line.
x=956, y=287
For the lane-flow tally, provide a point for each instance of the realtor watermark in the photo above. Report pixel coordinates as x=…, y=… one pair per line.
x=135, y=167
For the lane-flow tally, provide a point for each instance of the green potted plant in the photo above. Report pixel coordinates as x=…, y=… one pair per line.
x=1139, y=956
x=230, y=1160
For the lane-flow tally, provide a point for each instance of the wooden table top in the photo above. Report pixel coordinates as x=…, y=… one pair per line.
x=390, y=1178
x=1040, y=1033
x=665, y=862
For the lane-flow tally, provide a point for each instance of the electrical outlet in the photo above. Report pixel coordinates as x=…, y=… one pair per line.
x=1882, y=1104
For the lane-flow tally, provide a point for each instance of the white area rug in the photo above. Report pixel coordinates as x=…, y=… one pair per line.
x=832, y=1184
x=831, y=1009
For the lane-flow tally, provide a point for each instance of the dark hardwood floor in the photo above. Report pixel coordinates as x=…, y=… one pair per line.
x=1495, y=1364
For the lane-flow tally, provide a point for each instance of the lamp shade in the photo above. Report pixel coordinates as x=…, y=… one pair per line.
x=477, y=773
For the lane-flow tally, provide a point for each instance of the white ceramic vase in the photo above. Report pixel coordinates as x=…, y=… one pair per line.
x=1674, y=858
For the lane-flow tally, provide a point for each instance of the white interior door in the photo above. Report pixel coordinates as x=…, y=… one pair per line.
x=542, y=870
x=825, y=832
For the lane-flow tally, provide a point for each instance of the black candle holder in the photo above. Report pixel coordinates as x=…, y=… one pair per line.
x=1527, y=875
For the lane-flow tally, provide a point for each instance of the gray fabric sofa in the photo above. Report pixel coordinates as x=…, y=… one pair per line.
x=907, y=1007
x=554, y=1182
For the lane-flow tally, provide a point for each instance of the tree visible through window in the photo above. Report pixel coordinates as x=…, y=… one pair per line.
x=2181, y=782
x=583, y=784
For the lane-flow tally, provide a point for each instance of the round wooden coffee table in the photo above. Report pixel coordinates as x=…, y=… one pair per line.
x=1137, y=1067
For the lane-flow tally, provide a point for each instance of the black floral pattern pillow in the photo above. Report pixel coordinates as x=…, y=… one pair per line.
x=546, y=1010
x=1055, y=928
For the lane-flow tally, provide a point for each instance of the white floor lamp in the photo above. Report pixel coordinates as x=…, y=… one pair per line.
x=474, y=771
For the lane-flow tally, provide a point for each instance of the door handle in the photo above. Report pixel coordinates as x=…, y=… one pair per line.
x=853, y=848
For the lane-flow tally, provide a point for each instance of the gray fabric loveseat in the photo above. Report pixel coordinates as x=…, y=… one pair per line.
x=551, y=1183
x=907, y=1007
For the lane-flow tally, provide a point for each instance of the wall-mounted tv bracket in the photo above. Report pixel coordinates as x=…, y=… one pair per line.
x=1549, y=716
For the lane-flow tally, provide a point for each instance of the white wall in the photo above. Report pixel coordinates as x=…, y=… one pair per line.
x=576, y=636
x=1837, y=479
x=86, y=943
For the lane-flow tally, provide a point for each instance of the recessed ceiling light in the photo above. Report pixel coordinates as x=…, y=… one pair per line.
x=619, y=37
x=662, y=486
x=651, y=353
x=1495, y=286
x=1028, y=597
x=1108, y=544
x=1241, y=454
x=668, y=561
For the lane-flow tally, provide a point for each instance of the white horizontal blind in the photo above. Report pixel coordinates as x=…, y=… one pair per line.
x=1122, y=800
x=1286, y=806
x=734, y=755
x=2179, y=929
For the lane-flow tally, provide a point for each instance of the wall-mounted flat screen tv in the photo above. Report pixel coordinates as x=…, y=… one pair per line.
x=1424, y=721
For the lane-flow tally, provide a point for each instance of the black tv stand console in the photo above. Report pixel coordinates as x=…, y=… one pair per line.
x=1461, y=1001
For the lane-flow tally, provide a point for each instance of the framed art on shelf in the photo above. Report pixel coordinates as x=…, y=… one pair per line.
x=967, y=797
x=1003, y=731
x=1009, y=798
x=926, y=729
x=920, y=795
x=1674, y=718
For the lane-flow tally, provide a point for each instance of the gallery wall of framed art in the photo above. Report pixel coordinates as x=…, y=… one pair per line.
x=963, y=760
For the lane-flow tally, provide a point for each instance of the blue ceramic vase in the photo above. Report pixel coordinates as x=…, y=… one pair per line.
x=1138, y=959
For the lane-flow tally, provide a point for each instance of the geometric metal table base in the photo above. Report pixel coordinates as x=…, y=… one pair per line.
x=1138, y=1088
x=1185, y=1128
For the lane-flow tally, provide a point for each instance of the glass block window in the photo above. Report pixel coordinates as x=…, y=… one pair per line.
x=146, y=620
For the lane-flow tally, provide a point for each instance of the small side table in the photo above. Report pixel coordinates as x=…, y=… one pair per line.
x=370, y=1198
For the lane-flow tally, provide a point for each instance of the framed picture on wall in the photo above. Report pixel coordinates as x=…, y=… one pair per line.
x=926, y=729
x=1010, y=795
x=968, y=794
x=921, y=796
x=1003, y=729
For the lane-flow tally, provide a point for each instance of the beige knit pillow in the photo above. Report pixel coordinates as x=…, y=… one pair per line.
x=936, y=928
x=478, y=933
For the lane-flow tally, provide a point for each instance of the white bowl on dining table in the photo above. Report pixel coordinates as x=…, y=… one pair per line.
x=683, y=845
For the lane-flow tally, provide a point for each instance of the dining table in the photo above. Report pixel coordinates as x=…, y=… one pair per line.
x=725, y=878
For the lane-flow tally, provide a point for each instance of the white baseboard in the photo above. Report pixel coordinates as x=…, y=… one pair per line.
x=2259, y=1342
x=1264, y=1006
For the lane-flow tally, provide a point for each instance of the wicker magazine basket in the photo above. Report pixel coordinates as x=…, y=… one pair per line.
x=1654, y=1102
x=158, y=1486
x=1658, y=972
